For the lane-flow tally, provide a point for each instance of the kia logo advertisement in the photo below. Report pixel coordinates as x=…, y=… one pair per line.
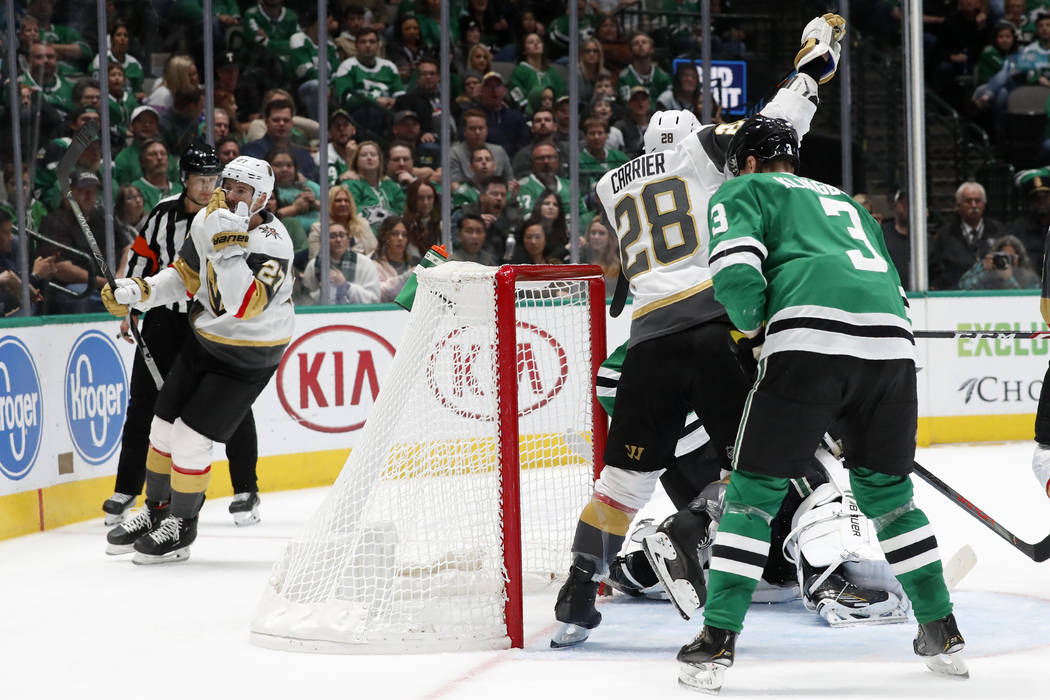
x=460, y=371
x=328, y=379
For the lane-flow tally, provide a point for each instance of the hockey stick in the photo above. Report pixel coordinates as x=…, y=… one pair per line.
x=84, y=137
x=147, y=356
x=995, y=335
x=1037, y=551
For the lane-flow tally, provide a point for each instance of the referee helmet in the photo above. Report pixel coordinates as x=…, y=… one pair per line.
x=199, y=159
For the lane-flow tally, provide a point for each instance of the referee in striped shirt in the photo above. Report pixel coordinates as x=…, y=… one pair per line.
x=165, y=330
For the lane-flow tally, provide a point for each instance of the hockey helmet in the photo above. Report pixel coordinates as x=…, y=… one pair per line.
x=255, y=173
x=668, y=128
x=765, y=138
x=199, y=159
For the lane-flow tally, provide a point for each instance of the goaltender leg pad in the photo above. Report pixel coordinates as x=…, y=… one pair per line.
x=906, y=539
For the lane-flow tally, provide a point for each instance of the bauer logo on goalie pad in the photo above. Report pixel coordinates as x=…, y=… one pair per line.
x=329, y=377
x=465, y=362
x=96, y=394
x=21, y=411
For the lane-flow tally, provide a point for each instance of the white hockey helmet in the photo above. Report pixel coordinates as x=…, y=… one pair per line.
x=254, y=172
x=669, y=128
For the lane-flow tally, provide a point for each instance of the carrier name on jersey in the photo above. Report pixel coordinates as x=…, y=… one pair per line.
x=643, y=166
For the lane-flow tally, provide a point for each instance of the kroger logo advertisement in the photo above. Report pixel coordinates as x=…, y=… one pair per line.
x=96, y=393
x=20, y=409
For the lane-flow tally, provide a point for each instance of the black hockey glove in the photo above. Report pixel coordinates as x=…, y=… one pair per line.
x=747, y=350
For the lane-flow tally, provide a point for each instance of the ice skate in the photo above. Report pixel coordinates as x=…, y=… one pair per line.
x=940, y=644
x=678, y=570
x=575, y=606
x=843, y=604
x=116, y=507
x=121, y=539
x=169, y=541
x=703, y=661
x=632, y=574
x=245, y=508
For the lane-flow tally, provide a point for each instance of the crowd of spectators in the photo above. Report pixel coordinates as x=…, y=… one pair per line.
x=510, y=112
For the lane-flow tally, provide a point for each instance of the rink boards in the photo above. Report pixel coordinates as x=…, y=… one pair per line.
x=64, y=383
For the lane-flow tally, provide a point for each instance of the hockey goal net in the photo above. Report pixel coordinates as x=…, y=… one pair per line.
x=468, y=479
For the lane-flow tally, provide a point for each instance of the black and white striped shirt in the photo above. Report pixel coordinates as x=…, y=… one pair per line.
x=160, y=240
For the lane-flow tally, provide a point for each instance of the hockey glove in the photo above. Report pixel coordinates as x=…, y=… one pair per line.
x=218, y=200
x=819, y=54
x=229, y=231
x=130, y=290
x=748, y=350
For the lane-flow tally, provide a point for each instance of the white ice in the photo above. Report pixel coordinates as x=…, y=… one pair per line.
x=77, y=623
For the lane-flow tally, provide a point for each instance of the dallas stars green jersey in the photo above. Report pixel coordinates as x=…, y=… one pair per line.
x=303, y=57
x=656, y=82
x=811, y=263
x=278, y=32
x=356, y=83
x=525, y=79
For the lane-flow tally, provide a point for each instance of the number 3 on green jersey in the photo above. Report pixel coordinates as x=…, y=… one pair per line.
x=832, y=208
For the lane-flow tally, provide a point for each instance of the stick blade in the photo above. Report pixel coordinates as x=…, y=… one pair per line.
x=961, y=563
x=81, y=140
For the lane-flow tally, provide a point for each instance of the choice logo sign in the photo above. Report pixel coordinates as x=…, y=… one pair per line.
x=21, y=409
x=460, y=371
x=96, y=391
x=328, y=379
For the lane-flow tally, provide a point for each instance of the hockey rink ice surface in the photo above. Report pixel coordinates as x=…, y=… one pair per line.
x=77, y=623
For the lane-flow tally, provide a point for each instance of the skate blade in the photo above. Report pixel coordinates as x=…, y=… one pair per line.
x=705, y=678
x=115, y=549
x=658, y=550
x=836, y=621
x=948, y=664
x=114, y=518
x=569, y=635
x=175, y=555
x=246, y=518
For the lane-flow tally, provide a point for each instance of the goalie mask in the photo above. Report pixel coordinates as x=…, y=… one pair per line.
x=765, y=139
x=255, y=173
x=667, y=129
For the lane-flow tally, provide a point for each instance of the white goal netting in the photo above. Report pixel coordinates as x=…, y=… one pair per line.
x=406, y=552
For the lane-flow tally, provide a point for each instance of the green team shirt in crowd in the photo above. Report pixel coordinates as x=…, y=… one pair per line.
x=120, y=109
x=278, y=31
x=356, y=83
x=388, y=196
x=133, y=73
x=811, y=263
x=532, y=188
x=303, y=57
x=152, y=194
x=656, y=82
x=524, y=79
x=126, y=168
x=194, y=9
x=592, y=169
x=62, y=34
x=464, y=194
x=58, y=93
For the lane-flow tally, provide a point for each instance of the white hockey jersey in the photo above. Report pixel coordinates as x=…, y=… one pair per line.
x=242, y=310
x=657, y=204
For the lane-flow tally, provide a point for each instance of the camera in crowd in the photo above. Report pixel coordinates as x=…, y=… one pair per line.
x=1002, y=261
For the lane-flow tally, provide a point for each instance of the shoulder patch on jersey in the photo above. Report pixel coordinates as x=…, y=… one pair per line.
x=269, y=232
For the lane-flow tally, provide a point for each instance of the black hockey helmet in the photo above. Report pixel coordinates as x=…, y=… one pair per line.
x=765, y=138
x=199, y=159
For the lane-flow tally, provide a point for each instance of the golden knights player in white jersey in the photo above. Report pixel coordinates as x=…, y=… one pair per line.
x=235, y=266
x=657, y=204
